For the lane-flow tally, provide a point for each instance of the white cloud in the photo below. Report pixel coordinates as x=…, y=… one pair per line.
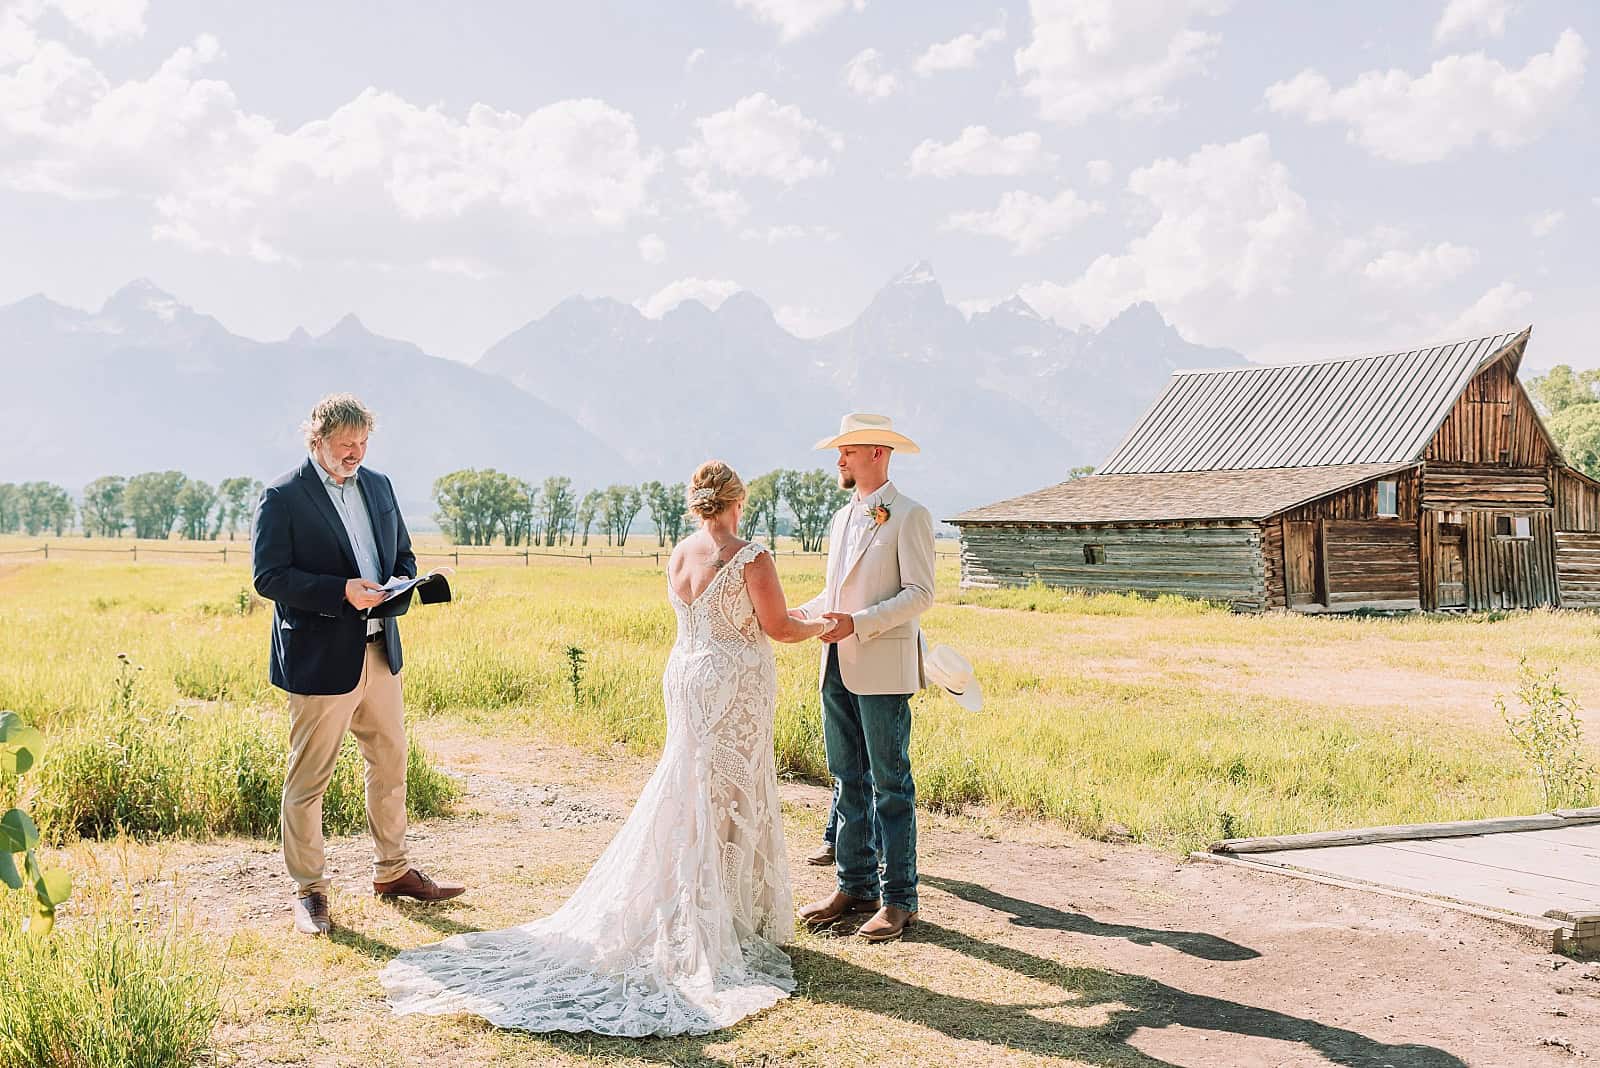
x=804, y=322
x=1100, y=171
x=758, y=137
x=958, y=53
x=1088, y=57
x=865, y=76
x=727, y=205
x=378, y=181
x=796, y=18
x=652, y=249
x=1460, y=100
x=694, y=59
x=105, y=21
x=1028, y=221
x=977, y=305
x=1227, y=224
x=1422, y=268
x=1544, y=224
x=1498, y=309
x=977, y=151
x=1484, y=18
x=773, y=235
x=708, y=291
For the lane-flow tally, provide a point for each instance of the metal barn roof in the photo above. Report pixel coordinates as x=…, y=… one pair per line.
x=1376, y=409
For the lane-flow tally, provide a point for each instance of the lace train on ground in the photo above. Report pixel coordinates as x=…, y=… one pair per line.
x=676, y=928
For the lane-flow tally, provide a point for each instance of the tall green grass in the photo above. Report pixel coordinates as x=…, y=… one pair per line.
x=1106, y=713
x=105, y=994
x=216, y=771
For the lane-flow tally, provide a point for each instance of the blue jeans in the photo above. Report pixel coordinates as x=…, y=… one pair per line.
x=830, y=828
x=868, y=738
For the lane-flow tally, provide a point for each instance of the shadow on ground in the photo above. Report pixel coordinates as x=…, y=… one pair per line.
x=1123, y=1003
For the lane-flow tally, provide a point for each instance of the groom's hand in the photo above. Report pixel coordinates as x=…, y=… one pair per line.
x=843, y=624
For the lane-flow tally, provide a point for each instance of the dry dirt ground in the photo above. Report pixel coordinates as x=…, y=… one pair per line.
x=1035, y=948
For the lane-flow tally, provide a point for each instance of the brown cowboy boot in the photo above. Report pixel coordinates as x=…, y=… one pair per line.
x=835, y=906
x=890, y=923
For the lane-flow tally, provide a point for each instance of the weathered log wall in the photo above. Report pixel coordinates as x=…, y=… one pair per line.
x=1577, y=501
x=1361, y=502
x=1212, y=561
x=1578, y=568
x=1371, y=563
x=1455, y=488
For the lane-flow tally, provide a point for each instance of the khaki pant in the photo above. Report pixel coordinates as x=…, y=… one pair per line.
x=375, y=713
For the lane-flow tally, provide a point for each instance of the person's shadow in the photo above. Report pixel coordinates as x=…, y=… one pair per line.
x=1121, y=1004
x=1027, y=914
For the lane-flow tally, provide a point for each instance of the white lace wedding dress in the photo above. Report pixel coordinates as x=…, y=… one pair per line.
x=676, y=928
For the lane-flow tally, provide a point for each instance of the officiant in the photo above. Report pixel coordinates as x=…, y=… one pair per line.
x=328, y=535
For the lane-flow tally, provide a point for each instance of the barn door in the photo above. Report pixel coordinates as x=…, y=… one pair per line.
x=1302, y=564
x=1450, y=565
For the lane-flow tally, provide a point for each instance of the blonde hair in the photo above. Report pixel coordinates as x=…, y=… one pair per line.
x=334, y=411
x=714, y=488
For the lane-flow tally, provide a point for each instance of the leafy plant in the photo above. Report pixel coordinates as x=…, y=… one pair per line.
x=1550, y=735
x=575, y=661
x=20, y=748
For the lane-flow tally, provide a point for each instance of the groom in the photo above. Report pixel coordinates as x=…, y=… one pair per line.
x=880, y=580
x=327, y=536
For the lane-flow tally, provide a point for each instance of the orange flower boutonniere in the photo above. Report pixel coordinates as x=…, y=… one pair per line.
x=878, y=513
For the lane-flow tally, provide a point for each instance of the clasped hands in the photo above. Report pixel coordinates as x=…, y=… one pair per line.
x=841, y=626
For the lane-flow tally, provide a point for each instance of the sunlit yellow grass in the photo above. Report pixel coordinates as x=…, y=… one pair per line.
x=1164, y=720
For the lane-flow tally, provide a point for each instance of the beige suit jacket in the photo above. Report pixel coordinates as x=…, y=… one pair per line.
x=885, y=587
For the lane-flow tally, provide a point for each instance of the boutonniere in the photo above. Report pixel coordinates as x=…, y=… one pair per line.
x=878, y=513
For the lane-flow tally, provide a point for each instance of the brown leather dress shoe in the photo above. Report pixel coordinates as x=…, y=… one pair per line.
x=822, y=857
x=416, y=885
x=890, y=923
x=311, y=914
x=834, y=907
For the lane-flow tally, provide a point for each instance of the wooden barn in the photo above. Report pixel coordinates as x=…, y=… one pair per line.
x=1409, y=480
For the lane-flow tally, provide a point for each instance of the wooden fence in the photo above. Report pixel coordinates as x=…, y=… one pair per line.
x=240, y=551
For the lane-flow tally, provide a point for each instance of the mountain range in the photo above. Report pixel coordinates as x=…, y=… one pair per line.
x=1002, y=403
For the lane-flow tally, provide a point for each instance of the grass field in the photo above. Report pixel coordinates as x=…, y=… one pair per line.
x=1165, y=722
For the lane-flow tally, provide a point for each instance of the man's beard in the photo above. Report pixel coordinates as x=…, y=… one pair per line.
x=847, y=482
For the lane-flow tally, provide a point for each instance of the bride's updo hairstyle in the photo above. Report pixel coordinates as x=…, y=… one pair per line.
x=715, y=488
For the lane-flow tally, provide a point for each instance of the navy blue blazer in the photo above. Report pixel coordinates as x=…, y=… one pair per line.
x=303, y=558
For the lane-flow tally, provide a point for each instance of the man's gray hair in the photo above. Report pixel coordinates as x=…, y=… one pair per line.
x=333, y=412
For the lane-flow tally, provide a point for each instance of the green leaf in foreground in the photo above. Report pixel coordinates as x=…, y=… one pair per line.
x=17, y=831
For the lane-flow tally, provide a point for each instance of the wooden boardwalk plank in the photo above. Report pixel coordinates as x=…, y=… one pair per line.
x=1550, y=858
x=1457, y=879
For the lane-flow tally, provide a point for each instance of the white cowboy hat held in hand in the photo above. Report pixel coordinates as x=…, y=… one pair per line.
x=865, y=428
x=952, y=672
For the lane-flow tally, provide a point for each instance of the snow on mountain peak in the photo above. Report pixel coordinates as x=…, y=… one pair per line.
x=918, y=274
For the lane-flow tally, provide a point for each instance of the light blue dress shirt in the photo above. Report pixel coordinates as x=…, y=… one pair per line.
x=352, y=509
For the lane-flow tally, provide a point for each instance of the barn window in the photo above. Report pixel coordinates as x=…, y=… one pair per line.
x=1094, y=554
x=1512, y=526
x=1388, y=498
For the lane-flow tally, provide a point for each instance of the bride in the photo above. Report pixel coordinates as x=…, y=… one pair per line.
x=676, y=928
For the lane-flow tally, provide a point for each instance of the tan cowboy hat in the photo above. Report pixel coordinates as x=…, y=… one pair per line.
x=952, y=673
x=864, y=428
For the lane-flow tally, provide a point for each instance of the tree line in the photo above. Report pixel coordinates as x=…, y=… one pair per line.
x=481, y=506
x=1571, y=403
x=475, y=507
x=149, y=505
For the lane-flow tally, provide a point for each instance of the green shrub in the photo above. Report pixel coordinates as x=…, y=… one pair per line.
x=103, y=996
x=219, y=772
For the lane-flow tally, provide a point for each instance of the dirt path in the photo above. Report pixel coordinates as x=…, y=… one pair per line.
x=1036, y=948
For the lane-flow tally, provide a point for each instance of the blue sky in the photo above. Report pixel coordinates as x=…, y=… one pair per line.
x=1287, y=179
